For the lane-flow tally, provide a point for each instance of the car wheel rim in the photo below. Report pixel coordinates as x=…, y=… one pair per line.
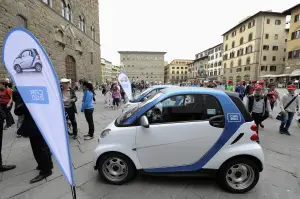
x=18, y=69
x=240, y=176
x=115, y=169
x=38, y=68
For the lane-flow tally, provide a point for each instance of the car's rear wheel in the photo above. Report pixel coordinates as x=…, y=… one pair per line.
x=116, y=168
x=238, y=175
x=38, y=67
x=18, y=68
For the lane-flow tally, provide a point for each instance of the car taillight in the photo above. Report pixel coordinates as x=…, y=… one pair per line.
x=254, y=137
x=254, y=128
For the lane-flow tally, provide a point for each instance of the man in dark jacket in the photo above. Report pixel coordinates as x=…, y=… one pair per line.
x=3, y=167
x=39, y=147
x=18, y=100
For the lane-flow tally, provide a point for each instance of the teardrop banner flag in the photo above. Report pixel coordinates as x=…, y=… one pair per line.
x=29, y=66
x=126, y=85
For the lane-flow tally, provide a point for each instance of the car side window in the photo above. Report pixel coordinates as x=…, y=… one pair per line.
x=26, y=54
x=185, y=108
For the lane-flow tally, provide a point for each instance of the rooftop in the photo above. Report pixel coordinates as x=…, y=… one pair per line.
x=140, y=52
x=251, y=17
x=289, y=11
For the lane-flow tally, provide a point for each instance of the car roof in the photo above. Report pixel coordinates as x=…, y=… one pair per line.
x=197, y=90
x=161, y=86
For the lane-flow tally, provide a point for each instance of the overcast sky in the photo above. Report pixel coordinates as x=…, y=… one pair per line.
x=181, y=28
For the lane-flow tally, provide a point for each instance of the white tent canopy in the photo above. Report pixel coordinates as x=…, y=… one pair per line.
x=295, y=73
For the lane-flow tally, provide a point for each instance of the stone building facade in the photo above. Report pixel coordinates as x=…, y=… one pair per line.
x=143, y=65
x=177, y=71
x=67, y=29
x=214, y=68
x=197, y=69
x=255, y=47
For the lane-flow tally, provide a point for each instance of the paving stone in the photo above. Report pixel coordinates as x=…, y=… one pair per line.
x=278, y=160
x=80, y=195
x=295, y=154
x=21, y=154
x=21, y=168
x=82, y=158
x=88, y=145
x=84, y=174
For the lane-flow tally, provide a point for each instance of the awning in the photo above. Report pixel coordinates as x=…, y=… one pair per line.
x=270, y=76
x=295, y=73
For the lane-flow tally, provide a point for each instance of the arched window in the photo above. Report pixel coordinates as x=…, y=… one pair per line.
x=66, y=11
x=224, y=65
x=70, y=64
x=48, y=2
x=249, y=49
x=220, y=63
x=226, y=47
x=233, y=44
x=239, y=62
x=250, y=37
x=81, y=23
x=216, y=64
x=248, y=60
x=93, y=32
x=21, y=21
x=241, y=41
x=212, y=65
x=231, y=64
x=215, y=73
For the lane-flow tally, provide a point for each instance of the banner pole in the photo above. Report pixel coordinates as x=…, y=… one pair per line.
x=73, y=190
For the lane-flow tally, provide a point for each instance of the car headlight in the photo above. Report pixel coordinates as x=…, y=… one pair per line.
x=104, y=133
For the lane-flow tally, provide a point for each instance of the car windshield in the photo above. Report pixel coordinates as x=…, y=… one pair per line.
x=126, y=115
x=141, y=94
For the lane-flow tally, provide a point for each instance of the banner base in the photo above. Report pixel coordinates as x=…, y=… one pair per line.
x=73, y=189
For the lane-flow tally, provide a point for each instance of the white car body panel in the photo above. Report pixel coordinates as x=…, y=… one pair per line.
x=187, y=140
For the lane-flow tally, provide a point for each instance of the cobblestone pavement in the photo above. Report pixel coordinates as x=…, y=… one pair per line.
x=279, y=180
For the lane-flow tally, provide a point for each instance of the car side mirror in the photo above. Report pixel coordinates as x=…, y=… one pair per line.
x=144, y=122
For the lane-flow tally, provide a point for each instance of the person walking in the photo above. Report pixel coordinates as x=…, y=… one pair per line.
x=116, y=96
x=250, y=88
x=88, y=109
x=3, y=167
x=39, y=147
x=6, y=103
x=259, y=106
x=289, y=104
x=229, y=86
x=273, y=95
x=69, y=99
x=240, y=89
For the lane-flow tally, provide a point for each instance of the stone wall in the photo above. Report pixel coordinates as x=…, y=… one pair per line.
x=59, y=36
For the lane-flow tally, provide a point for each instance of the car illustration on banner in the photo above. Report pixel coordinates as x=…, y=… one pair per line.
x=124, y=79
x=28, y=59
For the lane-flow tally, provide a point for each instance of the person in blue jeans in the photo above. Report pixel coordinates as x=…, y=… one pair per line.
x=88, y=108
x=288, y=109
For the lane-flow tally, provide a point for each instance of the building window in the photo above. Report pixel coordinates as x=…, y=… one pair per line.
x=92, y=58
x=220, y=54
x=233, y=44
x=239, y=62
x=93, y=32
x=226, y=47
x=248, y=60
x=173, y=72
x=275, y=48
x=231, y=55
x=241, y=41
x=265, y=58
x=266, y=47
x=277, y=22
x=276, y=37
x=66, y=11
x=48, y=2
x=295, y=35
x=233, y=33
x=247, y=68
x=251, y=24
x=263, y=68
x=250, y=37
x=283, y=59
x=226, y=37
x=211, y=65
x=273, y=68
x=225, y=57
x=274, y=58
x=215, y=73
x=268, y=21
x=239, y=70
x=242, y=29
x=249, y=49
x=231, y=64
x=81, y=24
x=212, y=57
x=21, y=21
x=216, y=64
x=220, y=63
x=224, y=65
x=297, y=18
x=266, y=36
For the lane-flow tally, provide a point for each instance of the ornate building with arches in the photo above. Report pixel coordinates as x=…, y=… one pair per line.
x=67, y=29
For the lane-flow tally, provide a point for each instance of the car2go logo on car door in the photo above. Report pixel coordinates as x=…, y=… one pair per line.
x=28, y=59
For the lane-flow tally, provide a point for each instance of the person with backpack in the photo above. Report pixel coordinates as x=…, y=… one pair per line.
x=289, y=105
x=258, y=105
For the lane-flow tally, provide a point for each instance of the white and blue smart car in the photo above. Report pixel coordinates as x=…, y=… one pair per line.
x=183, y=131
x=144, y=96
x=28, y=59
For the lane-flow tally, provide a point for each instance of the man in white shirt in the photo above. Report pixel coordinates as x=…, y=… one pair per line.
x=288, y=112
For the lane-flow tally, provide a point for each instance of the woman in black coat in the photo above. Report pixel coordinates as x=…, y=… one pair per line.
x=39, y=147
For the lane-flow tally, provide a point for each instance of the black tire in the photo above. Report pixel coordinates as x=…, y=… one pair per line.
x=18, y=68
x=130, y=168
x=221, y=175
x=38, y=67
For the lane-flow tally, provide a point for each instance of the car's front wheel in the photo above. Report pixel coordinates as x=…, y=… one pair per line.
x=238, y=175
x=18, y=68
x=116, y=168
x=38, y=67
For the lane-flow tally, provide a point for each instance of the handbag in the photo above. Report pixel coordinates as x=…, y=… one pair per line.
x=279, y=116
